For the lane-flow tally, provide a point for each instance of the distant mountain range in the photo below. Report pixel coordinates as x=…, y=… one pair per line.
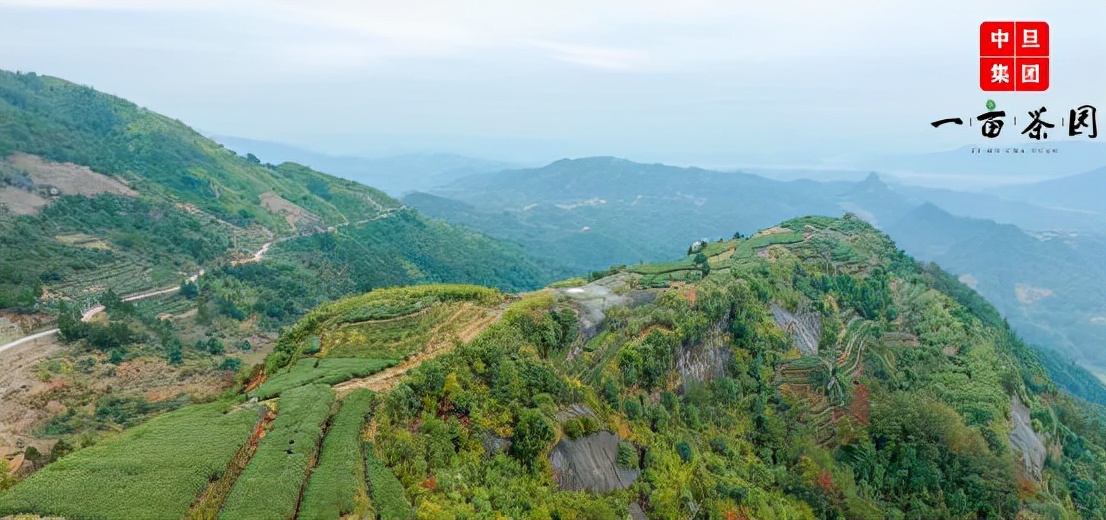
x=593, y=212
x=962, y=169
x=395, y=174
x=1085, y=192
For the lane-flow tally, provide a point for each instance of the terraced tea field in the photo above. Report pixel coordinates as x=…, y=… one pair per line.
x=153, y=471
x=314, y=370
x=298, y=454
x=337, y=486
x=122, y=276
x=271, y=484
x=398, y=338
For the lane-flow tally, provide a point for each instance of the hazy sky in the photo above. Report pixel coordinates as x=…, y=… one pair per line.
x=709, y=83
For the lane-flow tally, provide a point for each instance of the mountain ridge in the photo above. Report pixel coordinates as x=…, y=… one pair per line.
x=580, y=208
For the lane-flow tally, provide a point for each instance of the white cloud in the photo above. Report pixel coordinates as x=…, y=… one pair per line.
x=606, y=58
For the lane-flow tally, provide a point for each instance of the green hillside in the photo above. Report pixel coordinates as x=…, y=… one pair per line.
x=63, y=122
x=96, y=192
x=810, y=371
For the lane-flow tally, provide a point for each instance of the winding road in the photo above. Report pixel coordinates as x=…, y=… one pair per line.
x=257, y=256
x=90, y=313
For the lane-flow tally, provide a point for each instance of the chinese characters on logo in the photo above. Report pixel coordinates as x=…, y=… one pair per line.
x=1013, y=56
x=1079, y=121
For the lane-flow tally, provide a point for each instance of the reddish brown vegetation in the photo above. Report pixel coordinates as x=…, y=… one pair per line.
x=825, y=481
x=860, y=407
x=256, y=378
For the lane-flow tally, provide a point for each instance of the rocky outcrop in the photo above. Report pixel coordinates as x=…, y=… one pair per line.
x=1027, y=443
x=574, y=411
x=592, y=300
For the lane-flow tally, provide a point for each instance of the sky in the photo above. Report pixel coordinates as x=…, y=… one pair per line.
x=709, y=83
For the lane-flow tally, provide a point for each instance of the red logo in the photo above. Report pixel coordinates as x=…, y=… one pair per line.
x=1013, y=56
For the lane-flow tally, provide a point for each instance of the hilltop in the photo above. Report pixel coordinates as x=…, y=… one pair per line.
x=811, y=370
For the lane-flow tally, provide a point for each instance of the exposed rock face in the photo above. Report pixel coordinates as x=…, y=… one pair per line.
x=494, y=444
x=707, y=360
x=573, y=411
x=1026, y=441
x=589, y=464
x=805, y=328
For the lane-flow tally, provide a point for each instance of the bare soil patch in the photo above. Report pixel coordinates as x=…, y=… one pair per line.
x=292, y=213
x=67, y=178
x=17, y=384
x=21, y=202
x=771, y=231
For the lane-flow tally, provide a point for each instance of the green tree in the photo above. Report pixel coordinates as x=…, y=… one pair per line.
x=70, y=326
x=701, y=261
x=230, y=364
x=175, y=355
x=684, y=449
x=627, y=455
x=532, y=434
x=189, y=290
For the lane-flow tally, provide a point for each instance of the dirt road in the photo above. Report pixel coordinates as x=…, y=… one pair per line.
x=18, y=382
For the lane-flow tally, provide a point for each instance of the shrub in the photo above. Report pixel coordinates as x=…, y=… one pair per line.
x=573, y=428
x=389, y=499
x=230, y=364
x=684, y=449
x=532, y=435
x=627, y=455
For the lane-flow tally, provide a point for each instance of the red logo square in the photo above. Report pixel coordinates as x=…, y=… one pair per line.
x=997, y=39
x=1031, y=39
x=996, y=74
x=1030, y=74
